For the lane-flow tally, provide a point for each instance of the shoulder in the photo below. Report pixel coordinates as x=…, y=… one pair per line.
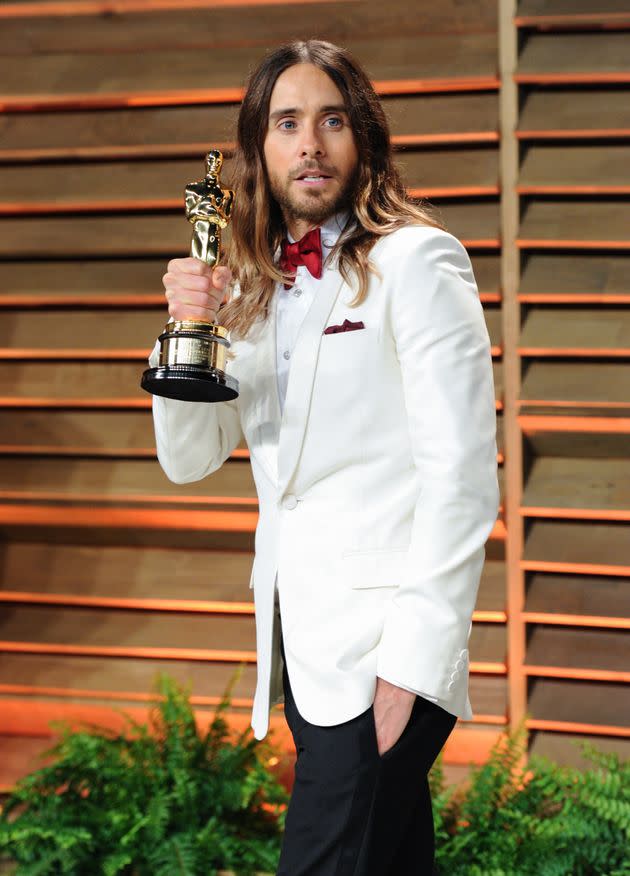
x=414, y=244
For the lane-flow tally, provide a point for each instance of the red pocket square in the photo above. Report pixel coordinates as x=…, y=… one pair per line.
x=346, y=326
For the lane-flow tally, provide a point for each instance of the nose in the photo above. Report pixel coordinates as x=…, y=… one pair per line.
x=311, y=144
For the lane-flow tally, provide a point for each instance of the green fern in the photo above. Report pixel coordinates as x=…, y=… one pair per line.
x=155, y=800
x=540, y=819
x=163, y=800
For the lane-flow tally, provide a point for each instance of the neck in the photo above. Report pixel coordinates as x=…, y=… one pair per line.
x=297, y=228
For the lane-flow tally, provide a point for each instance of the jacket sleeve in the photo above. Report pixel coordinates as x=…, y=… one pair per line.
x=443, y=349
x=193, y=439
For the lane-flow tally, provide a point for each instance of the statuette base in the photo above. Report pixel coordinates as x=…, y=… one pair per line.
x=190, y=383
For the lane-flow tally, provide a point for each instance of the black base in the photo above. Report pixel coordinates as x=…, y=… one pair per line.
x=190, y=383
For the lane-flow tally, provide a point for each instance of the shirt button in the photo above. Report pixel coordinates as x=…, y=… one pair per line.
x=297, y=291
x=287, y=354
x=289, y=502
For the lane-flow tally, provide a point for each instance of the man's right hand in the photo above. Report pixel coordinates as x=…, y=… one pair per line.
x=194, y=290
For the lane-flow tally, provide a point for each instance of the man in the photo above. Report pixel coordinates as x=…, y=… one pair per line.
x=367, y=402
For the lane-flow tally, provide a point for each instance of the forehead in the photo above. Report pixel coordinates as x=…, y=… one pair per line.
x=304, y=86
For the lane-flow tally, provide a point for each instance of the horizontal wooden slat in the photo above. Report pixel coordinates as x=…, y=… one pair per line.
x=587, y=277
x=573, y=331
x=118, y=480
x=67, y=79
x=137, y=282
x=564, y=748
x=132, y=282
x=168, y=235
x=580, y=702
x=127, y=633
x=107, y=525
x=592, y=651
x=107, y=333
x=103, y=480
x=577, y=546
x=191, y=636
x=103, y=185
x=572, y=13
x=89, y=384
x=192, y=130
x=99, y=333
x=557, y=112
x=77, y=432
x=586, y=487
x=578, y=596
x=603, y=384
x=72, y=678
x=212, y=25
x=594, y=169
x=574, y=57
x=46, y=8
x=119, y=576
x=119, y=133
x=148, y=185
x=81, y=432
x=123, y=677
x=92, y=385
x=125, y=572
x=577, y=437
x=576, y=223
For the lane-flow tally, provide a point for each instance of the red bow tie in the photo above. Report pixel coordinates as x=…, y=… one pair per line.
x=306, y=251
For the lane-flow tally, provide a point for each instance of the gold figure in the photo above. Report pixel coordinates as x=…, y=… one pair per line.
x=194, y=352
x=208, y=208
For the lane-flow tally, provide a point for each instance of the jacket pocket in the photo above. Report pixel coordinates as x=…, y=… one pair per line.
x=378, y=568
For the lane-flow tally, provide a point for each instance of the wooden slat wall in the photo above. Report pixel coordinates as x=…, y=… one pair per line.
x=108, y=572
x=570, y=299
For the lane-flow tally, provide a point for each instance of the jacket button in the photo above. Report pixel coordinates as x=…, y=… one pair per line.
x=289, y=502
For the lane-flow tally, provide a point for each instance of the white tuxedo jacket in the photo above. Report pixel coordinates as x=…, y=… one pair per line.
x=377, y=486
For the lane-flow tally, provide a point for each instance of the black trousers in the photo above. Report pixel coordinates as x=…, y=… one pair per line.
x=354, y=812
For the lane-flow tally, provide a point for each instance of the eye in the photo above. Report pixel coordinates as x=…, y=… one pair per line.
x=336, y=122
x=286, y=122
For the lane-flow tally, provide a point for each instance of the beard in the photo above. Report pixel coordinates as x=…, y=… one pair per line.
x=312, y=206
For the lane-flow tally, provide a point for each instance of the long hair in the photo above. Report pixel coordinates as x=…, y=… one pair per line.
x=379, y=201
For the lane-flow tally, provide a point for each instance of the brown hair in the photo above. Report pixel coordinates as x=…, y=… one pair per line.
x=379, y=201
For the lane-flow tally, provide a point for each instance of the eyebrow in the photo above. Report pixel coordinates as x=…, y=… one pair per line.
x=296, y=111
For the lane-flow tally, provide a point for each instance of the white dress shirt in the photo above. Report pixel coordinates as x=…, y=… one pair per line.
x=293, y=303
x=292, y=307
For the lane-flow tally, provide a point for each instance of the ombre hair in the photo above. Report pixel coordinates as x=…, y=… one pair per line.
x=378, y=200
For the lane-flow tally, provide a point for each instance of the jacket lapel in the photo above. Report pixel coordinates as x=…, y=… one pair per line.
x=302, y=376
x=266, y=388
x=281, y=438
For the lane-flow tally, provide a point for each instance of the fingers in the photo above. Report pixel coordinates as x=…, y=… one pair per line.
x=194, y=290
x=221, y=276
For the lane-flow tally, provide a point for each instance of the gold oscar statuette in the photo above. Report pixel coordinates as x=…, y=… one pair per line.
x=193, y=351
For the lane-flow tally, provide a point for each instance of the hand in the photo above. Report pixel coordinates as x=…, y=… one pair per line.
x=194, y=290
x=392, y=710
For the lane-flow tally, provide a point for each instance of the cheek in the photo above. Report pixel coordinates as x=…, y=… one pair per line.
x=348, y=157
x=273, y=159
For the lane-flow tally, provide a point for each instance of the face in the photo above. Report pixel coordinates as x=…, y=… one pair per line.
x=310, y=152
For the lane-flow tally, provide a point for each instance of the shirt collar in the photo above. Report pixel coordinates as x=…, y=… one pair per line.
x=331, y=229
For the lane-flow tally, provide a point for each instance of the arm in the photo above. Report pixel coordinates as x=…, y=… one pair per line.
x=193, y=439
x=444, y=353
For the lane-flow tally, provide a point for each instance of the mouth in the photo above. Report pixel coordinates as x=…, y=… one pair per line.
x=313, y=178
